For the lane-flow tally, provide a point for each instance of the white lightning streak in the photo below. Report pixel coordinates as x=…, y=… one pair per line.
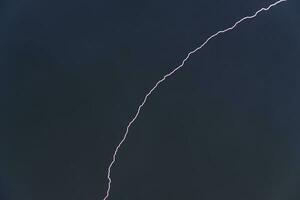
x=164, y=78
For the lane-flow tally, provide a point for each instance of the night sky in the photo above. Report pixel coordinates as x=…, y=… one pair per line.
x=72, y=74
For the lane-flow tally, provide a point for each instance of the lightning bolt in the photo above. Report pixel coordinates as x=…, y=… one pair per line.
x=164, y=78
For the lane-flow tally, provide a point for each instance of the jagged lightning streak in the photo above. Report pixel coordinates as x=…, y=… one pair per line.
x=164, y=78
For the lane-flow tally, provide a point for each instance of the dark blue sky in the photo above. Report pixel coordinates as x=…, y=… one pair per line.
x=73, y=73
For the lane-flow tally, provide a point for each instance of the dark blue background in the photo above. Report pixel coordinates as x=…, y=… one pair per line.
x=72, y=74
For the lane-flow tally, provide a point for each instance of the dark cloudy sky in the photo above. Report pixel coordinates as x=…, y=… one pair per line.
x=72, y=74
